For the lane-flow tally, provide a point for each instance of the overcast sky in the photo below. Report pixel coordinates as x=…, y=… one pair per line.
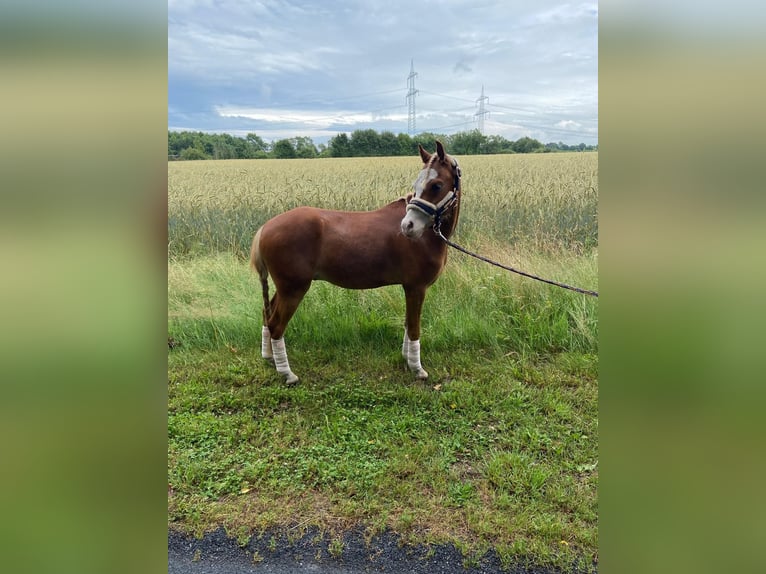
x=287, y=68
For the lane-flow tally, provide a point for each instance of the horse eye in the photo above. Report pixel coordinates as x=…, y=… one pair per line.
x=437, y=187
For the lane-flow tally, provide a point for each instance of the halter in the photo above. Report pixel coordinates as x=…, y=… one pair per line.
x=435, y=211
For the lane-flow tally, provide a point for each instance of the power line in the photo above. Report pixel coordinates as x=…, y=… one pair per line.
x=464, y=123
x=522, y=110
x=448, y=96
x=387, y=108
x=515, y=109
x=546, y=129
x=511, y=108
x=360, y=96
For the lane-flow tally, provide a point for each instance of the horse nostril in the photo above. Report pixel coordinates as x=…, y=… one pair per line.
x=408, y=227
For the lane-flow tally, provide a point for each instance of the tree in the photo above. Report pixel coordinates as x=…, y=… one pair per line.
x=467, y=143
x=199, y=145
x=406, y=145
x=365, y=143
x=552, y=146
x=388, y=144
x=526, y=145
x=256, y=143
x=304, y=147
x=283, y=149
x=223, y=150
x=428, y=140
x=323, y=150
x=192, y=153
x=179, y=141
x=497, y=144
x=340, y=146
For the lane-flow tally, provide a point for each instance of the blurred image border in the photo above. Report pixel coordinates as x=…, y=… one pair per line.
x=83, y=300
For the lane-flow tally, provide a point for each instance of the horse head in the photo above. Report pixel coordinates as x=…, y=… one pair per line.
x=436, y=192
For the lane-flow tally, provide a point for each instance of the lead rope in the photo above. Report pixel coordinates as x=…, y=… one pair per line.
x=437, y=230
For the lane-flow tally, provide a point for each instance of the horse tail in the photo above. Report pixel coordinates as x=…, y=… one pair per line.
x=258, y=265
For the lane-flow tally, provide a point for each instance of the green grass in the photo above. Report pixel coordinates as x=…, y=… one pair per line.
x=215, y=301
x=498, y=449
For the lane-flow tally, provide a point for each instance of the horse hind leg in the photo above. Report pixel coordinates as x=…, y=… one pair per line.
x=266, y=349
x=283, y=306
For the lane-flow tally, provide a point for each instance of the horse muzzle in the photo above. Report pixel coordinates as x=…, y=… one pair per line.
x=413, y=224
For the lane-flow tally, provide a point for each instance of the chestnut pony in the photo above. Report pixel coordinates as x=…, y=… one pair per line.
x=393, y=245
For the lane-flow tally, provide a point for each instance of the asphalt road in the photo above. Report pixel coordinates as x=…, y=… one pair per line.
x=276, y=554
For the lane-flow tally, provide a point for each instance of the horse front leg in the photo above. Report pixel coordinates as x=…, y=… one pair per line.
x=414, y=298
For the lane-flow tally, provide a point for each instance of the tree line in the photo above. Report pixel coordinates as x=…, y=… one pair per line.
x=189, y=145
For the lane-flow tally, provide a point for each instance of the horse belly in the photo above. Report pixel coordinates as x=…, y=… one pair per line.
x=358, y=272
x=358, y=263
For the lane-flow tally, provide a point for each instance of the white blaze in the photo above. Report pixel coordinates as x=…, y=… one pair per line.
x=424, y=177
x=418, y=219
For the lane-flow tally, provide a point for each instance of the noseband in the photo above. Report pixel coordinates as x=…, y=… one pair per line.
x=435, y=211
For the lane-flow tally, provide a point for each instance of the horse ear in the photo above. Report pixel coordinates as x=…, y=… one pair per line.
x=425, y=156
x=440, y=150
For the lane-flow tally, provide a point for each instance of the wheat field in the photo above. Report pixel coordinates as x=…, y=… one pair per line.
x=544, y=202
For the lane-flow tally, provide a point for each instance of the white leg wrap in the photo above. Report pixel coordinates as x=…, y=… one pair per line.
x=280, y=360
x=266, y=351
x=413, y=359
x=406, y=345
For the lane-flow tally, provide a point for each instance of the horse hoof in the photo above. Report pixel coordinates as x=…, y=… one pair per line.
x=292, y=379
x=422, y=375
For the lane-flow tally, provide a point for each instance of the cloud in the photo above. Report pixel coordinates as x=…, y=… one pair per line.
x=196, y=49
x=462, y=66
x=283, y=64
x=565, y=12
x=311, y=118
x=269, y=135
